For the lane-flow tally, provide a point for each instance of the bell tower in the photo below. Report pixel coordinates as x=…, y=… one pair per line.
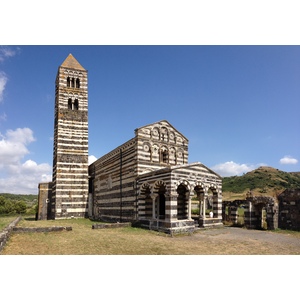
x=70, y=148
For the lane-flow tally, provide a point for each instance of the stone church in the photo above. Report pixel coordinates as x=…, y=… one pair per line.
x=146, y=181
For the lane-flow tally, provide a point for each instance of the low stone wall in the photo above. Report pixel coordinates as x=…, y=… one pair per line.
x=41, y=229
x=110, y=225
x=5, y=233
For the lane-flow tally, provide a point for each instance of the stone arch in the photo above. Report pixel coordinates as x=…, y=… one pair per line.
x=145, y=188
x=199, y=196
x=161, y=192
x=213, y=200
x=263, y=212
x=183, y=194
x=185, y=183
x=145, y=210
x=157, y=186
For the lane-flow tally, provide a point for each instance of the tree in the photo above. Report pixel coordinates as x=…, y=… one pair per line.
x=20, y=207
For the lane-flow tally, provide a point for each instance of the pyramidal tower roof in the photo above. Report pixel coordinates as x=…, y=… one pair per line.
x=72, y=63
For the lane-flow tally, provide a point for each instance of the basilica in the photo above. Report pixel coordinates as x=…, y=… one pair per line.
x=146, y=181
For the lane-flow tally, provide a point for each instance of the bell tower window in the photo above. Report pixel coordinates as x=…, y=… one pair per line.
x=73, y=104
x=70, y=104
x=76, y=104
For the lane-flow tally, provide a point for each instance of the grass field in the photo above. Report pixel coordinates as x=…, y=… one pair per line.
x=83, y=240
x=4, y=221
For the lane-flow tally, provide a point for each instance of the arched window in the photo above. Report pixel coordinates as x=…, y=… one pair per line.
x=165, y=156
x=68, y=82
x=70, y=103
x=73, y=82
x=76, y=104
x=78, y=83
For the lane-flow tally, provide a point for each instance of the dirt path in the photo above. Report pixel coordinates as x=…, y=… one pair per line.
x=259, y=241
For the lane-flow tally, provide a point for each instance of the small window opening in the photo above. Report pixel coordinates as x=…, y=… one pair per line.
x=70, y=103
x=76, y=104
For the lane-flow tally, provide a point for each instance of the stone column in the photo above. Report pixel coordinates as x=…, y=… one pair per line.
x=203, y=213
x=189, y=205
x=153, y=207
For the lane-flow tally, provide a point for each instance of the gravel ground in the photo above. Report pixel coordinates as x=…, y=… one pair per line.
x=279, y=242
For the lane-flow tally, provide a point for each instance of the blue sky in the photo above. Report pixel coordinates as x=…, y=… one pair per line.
x=237, y=105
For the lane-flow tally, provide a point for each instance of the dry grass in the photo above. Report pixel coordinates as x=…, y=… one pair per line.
x=83, y=240
x=5, y=221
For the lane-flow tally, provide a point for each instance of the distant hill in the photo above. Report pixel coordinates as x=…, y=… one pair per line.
x=265, y=181
x=19, y=197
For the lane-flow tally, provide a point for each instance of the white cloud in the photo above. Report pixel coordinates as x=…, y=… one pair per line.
x=231, y=168
x=92, y=158
x=17, y=177
x=288, y=160
x=3, y=81
x=6, y=52
x=13, y=145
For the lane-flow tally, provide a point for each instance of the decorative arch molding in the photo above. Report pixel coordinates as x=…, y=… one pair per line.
x=198, y=184
x=185, y=183
x=145, y=186
x=158, y=184
x=213, y=187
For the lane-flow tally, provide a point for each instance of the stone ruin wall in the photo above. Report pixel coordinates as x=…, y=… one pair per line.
x=289, y=209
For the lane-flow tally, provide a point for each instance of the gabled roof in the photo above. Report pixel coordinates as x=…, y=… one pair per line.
x=71, y=63
x=169, y=169
x=161, y=123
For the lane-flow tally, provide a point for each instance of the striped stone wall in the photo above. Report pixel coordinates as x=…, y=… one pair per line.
x=289, y=209
x=113, y=176
x=126, y=182
x=70, y=153
x=160, y=145
x=176, y=186
x=113, y=184
x=44, y=200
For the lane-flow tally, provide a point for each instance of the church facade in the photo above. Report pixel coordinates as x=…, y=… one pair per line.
x=146, y=181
